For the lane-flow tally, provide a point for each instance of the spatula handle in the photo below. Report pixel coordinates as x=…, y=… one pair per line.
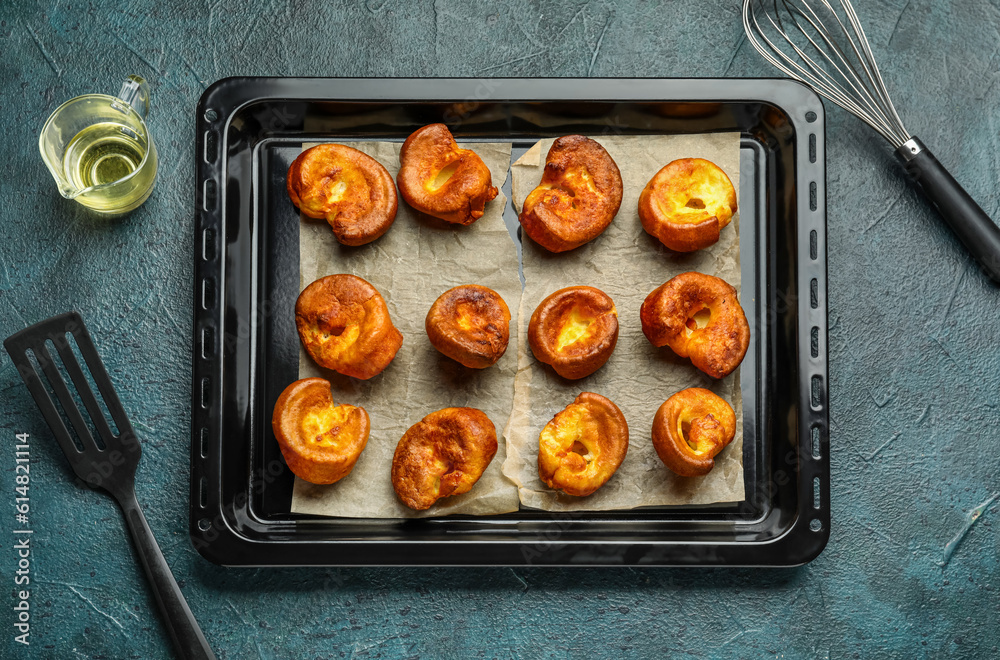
x=974, y=228
x=189, y=641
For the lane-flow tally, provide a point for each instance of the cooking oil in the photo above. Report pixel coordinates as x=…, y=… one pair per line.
x=107, y=153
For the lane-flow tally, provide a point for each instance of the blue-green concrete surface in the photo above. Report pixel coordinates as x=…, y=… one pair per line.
x=914, y=347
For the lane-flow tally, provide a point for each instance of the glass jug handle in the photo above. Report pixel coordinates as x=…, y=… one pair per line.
x=135, y=92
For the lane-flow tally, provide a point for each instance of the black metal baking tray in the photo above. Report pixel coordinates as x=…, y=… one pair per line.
x=246, y=347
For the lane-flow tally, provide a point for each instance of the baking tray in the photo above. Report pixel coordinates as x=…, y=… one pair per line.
x=246, y=348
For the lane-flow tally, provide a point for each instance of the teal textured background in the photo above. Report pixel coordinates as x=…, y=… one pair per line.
x=914, y=346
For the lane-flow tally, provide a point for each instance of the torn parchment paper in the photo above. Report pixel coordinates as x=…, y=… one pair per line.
x=417, y=260
x=627, y=264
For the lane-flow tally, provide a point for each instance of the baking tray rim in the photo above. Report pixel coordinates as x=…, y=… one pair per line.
x=557, y=89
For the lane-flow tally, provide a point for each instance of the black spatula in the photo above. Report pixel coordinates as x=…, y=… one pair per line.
x=107, y=461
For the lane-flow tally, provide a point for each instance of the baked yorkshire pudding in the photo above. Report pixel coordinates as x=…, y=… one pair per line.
x=438, y=178
x=690, y=428
x=583, y=445
x=443, y=454
x=344, y=325
x=574, y=330
x=698, y=316
x=348, y=188
x=687, y=203
x=578, y=197
x=469, y=324
x=320, y=440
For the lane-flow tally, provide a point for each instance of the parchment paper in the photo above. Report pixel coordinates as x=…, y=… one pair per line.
x=416, y=261
x=627, y=264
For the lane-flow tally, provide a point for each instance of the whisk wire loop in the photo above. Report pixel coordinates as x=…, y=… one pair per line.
x=854, y=78
x=835, y=56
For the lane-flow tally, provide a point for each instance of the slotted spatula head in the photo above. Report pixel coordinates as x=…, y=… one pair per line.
x=107, y=459
x=104, y=457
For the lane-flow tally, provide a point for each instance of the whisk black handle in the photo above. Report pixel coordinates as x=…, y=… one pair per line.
x=970, y=223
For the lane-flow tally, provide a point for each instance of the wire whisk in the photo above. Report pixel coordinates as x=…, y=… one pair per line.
x=823, y=44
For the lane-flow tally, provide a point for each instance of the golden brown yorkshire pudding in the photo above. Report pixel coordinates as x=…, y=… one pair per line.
x=348, y=188
x=687, y=204
x=469, y=324
x=690, y=429
x=438, y=178
x=583, y=445
x=344, y=325
x=443, y=454
x=578, y=197
x=574, y=330
x=320, y=440
x=698, y=316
